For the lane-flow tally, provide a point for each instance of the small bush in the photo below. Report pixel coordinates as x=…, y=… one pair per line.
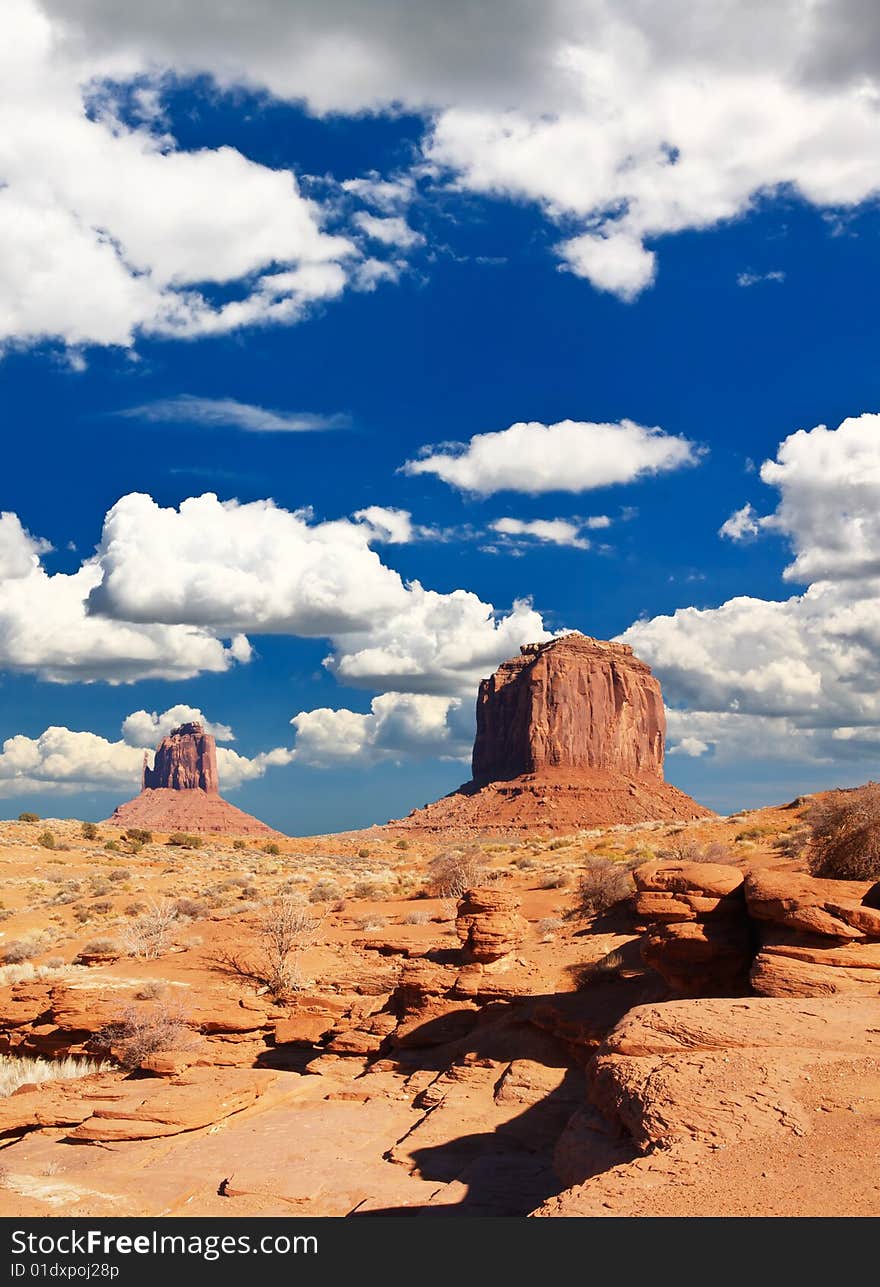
x=16, y=952
x=554, y=880
x=324, y=891
x=363, y=853
x=452, y=873
x=101, y=947
x=142, y=1031
x=183, y=840
x=119, y=873
x=416, y=918
x=547, y=928
x=46, y=839
x=603, y=884
x=369, y=889
x=401, y=844
x=239, y=844
x=149, y=935
x=271, y=847
x=29, y=817
x=89, y=831
x=284, y=929
x=691, y=851
x=190, y=908
x=113, y=846
x=844, y=834
x=140, y=835
x=102, y=908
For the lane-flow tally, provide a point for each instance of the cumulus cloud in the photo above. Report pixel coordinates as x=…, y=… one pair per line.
x=796, y=677
x=45, y=629
x=386, y=524
x=742, y=524
x=227, y=413
x=571, y=456
x=390, y=230
x=622, y=123
x=112, y=229
x=398, y=725
x=146, y=728
x=19, y=551
x=232, y=568
x=547, y=531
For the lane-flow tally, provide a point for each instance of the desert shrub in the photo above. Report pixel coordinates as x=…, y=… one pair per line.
x=554, y=880
x=560, y=843
x=416, y=918
x=363, y=853
x=183, y=840
x=369, y=888
x=113, y=846
x=452, y=873
x=141, y=1031
x=140, y=835
x=401, y=844
x=101, y=908
x=791, y=843
x=753, y=833
x=29, y=817
x=81, y=915
x=89, y=831
x=368, y=923
x=19, y=950
x=101, y=947
x=46, y=839
x=324, y=891
x=844, y=834
x=524, y=862
x=547, y=928
x=271, y=847
x=119, y=873
x=284, y=929
x=692, y=851
x=603, y=884
x=189, y=907
x=239, y=844
x=148, y=936
x=16, y=1071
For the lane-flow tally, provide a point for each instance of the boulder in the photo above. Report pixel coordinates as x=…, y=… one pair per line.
x=489, y=925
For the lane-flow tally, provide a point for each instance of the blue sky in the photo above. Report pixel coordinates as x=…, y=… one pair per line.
x=472, y=305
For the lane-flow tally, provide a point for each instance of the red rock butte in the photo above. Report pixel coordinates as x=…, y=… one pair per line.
x=570, y=734
x=181, y=792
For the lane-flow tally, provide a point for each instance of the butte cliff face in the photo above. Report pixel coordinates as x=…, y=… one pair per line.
x=573, y=703
x=570, y=734
x=186, y=760
x=181, y=792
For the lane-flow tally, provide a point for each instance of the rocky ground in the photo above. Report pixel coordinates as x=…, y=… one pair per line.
x=503, y=1054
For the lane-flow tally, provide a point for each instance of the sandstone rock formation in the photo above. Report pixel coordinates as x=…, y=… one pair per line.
x=181, y=792
x=489, y=925
x=570, y=734
x=186, y=760
x=697, y=930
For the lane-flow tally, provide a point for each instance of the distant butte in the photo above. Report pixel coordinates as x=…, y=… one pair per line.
x=181, y=792
x=570, y=734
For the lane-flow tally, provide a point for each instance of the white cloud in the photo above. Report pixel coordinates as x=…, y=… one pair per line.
x=110, y=230
x=571, y=456
x=623, y=122
x=548, y=531
x=799, y=677
x=829, y=481
x=755, y=279
x=228, y=413
x=389, y=195
x=19, y=551
x=742, y=524
x=693, y=747
x=398, y=725
x=393, y=526
x=146, y=728
x=229, y=568
x=612, y=261
x=391, y=230
x=46, y=630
